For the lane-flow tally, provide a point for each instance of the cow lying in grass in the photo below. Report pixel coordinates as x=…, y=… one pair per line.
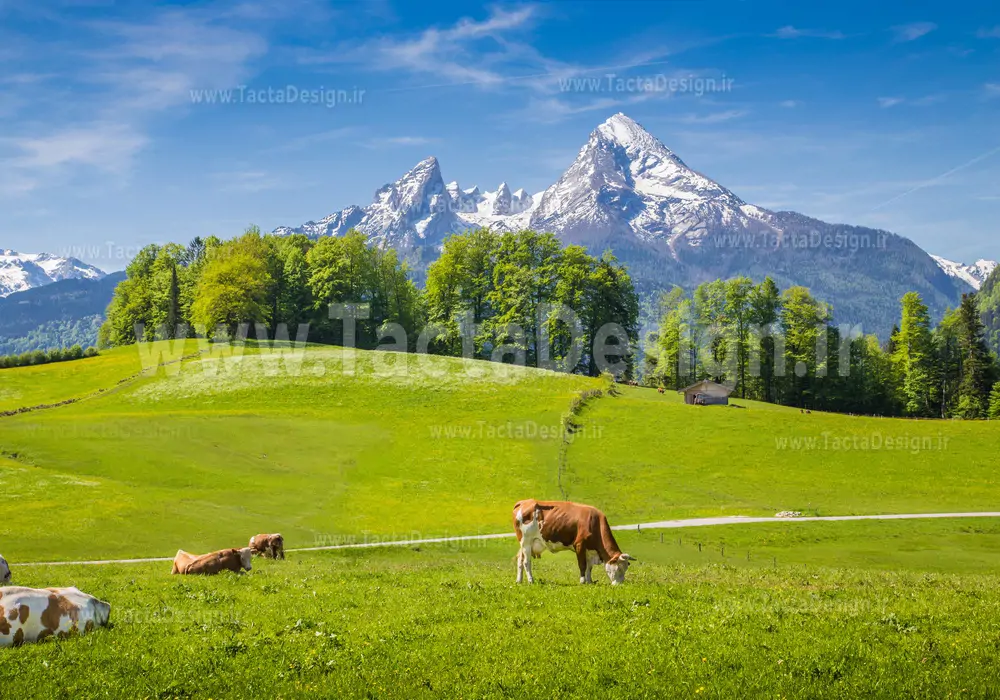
x=560, y=525
x=268, y=546
x=5, y=574
x=235, y=560
x=30, y=615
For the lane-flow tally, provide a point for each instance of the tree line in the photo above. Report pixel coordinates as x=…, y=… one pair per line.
x=44, y=357
x=517, y=296
x=782, y=347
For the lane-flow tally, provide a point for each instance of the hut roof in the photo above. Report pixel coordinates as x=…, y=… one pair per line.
x=706, y=384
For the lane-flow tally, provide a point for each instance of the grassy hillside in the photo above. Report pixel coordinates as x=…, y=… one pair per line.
x=659, y=458
x=214, y=450
x=51, y=383
x=206, y=452
x=450, y=622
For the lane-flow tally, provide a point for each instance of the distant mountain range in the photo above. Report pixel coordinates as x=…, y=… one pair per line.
x=672, y=225
x=22, y=271
x=59, y=314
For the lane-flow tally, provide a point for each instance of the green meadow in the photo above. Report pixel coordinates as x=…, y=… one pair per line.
x=447, y=621
x=329, y=448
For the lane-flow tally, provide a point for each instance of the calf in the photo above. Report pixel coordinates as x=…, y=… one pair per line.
x=235, y=560
x=560, y=525
x=30, y=615
x=5, y=574
x=269, y=546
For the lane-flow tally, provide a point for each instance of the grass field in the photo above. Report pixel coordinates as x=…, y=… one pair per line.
x=449, y=621
x=326, y=450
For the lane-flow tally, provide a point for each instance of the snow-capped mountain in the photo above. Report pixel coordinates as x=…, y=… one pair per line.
x=624, y=182
x=973, y=275
x=671, y=224
x=22, y=271
x=419, y=209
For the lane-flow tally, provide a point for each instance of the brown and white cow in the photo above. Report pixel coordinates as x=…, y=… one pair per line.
x=268, y=546
x=5, y=574
x=235, y=560
x=560, y=525
x=30, y=615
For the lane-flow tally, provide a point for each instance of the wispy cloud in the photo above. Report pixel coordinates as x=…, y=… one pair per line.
x=493, y=55
x=455, y=54
x=989, y=32
x=317, y=138
x=713, y=118
x=103, y=145
x=790, y=104
x=97, y=111
x=248, y=181
x=925, y=101
x=391, y=141
x=912, y=31
x=790, y=32
x=992, y=90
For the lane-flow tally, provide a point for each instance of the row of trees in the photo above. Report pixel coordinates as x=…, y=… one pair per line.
x=44, y=357
x=527, y=294
x=781, y=346
x=261, y=279
x=499, y=295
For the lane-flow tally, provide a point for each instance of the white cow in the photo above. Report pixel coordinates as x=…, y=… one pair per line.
x=4, y=571
x=31, y=614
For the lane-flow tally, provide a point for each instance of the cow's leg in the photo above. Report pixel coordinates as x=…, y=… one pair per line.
x=581, y=560
x=520, y=564
x=591, y=561
x=526, y=559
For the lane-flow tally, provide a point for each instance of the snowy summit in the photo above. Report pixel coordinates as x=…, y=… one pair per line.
x=22, y=271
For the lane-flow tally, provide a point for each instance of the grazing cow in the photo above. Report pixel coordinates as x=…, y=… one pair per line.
x=30, y=615
x=269, y=546
x=234, y=560
x=5, y=574
x=560, y=525
x=661, y=389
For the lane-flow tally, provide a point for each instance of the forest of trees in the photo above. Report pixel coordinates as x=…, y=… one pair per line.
x=503, y=295
x=780, y=346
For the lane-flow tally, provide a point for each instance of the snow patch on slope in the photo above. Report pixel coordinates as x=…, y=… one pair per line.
x=974, y=275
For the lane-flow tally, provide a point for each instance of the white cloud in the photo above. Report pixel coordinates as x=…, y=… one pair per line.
x=97, y=111
x=992, y=89
x=104, y=146
x=912, y=31
x=790, y=32
x=405, y=141
x=989, y=32
x=790, y=104
x=714, y=118
x=886, y=102
x=443, y=53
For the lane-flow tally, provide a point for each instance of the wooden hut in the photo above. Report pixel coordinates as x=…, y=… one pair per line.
x=706, y=393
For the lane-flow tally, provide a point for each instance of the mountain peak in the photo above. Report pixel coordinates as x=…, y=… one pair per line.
x=628, y=133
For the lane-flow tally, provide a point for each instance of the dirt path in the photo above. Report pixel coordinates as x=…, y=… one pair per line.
x=659, y=525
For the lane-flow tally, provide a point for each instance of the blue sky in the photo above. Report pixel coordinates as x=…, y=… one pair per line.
x=883, y=115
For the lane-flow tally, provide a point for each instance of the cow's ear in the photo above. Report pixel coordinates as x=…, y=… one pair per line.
x=629, y=558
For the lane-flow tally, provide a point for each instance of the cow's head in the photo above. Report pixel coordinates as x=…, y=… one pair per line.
x=246, y=558
x=617, y=567
x=102, y=612
x=5, y=575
